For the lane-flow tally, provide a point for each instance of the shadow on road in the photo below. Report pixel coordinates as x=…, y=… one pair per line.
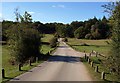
x=58, y=58
x=26, y=70
x=63, y=47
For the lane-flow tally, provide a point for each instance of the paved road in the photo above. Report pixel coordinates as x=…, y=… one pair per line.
x=64, y=65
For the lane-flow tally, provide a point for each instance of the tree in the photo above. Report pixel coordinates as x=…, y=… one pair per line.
x=114, y=58
x=88, y=36
x=53, y=42
x=17, y=14
x=27, y=17
x=96, y=35
x=79, y=33
x=104, y=20
x=69, y=31
x=61, y=30
x=76, y=24
x=50, y=28
x=100, y=30
x=24, y=43
x=5, y=25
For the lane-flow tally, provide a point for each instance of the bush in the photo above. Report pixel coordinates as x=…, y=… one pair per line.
x=65, y=40
x=79, y=33
x=96, y=35
x=88, y=36
x=84, y=44
x=24, y=43
x=53, y=42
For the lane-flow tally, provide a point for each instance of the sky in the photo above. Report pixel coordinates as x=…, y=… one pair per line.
x=46, y=12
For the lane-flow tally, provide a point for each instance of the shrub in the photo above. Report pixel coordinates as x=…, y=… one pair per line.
x=79, y=33
x=65, y=40
x=88, y=36
x=24, y=43
x=53, y=42
x=84, y=44
x=96, y=35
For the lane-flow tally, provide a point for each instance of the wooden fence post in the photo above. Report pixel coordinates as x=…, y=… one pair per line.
x=96, y=54
x=36, y=59
x=84, y=51
x=90, y=55
x=88, y=60
x=91, y=63
x=19, y=66
x=96, y=69
x=92, y=51
x=3, y=73
x=30, y=62
x=85, y=56
x=103, y=75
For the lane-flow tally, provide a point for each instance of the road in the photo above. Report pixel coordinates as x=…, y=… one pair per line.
x=64, y=65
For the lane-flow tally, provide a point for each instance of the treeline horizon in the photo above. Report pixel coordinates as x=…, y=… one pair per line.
x=90, y=29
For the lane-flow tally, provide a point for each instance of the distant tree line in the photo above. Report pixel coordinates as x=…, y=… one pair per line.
x=92, y=29
x=24, y=36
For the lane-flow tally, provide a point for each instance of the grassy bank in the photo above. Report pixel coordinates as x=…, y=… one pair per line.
x=45, y=46
x=99, y=61
x=101, y=46
x=12, y=71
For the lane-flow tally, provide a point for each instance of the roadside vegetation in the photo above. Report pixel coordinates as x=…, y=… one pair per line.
x=100, y=61
x=99, y=35
x=23, y=44
x=12, y=71
x=109, y=62
x=101, y=46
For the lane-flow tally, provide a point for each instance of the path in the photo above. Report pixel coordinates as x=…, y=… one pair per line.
x=64, y=65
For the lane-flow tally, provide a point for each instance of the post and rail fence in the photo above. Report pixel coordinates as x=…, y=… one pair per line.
x=96, y=68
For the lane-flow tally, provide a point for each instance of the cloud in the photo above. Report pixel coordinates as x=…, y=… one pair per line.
x=0, y=15
x=61, y=6
x=58, y=6
x=31, y=12
x=53, y=6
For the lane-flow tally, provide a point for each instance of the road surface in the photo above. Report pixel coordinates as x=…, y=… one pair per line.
x=64, y=65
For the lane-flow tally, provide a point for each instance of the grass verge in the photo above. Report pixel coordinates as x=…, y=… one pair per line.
x=99, y=61
x=12, y=71
x=101, y=46
x=10, y=74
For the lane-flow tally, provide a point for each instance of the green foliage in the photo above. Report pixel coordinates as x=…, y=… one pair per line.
x=61, y=30
x=53, y=42
x=65, y=39
x=96, y=34
x=24, y=43
x=95, y=60
x=88, y=36
x=79, y=33
x=114, y=58
x=76, y=24
x=98, y=45
x=65, y=30
x=69, y=31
